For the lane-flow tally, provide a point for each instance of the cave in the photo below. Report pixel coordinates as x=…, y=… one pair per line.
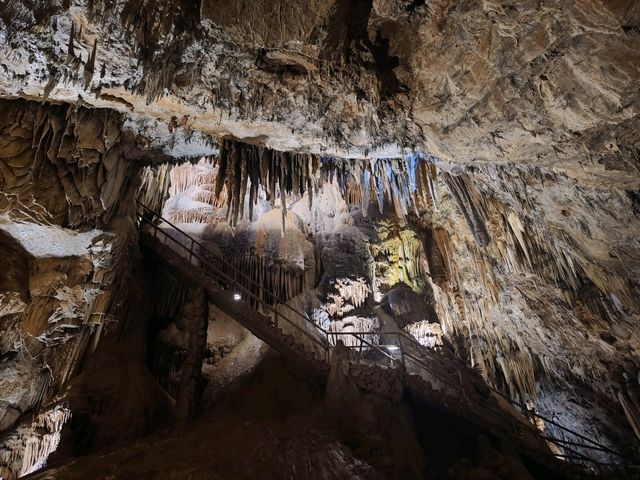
x=355, y=239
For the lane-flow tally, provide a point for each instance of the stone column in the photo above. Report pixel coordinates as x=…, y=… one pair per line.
x=196, y=316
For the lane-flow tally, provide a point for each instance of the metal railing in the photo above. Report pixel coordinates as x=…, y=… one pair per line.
x=408, y=352
x=214, y=266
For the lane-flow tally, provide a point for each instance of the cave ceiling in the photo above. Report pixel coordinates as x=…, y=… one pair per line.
x=550, y=84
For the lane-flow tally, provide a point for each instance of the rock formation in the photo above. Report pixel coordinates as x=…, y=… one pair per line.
x=467, y=173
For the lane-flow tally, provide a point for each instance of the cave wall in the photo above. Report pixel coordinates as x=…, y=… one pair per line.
x=504, y=264
x=535, y=292
x=69, y=249
x=68, y=298
x=62, y=165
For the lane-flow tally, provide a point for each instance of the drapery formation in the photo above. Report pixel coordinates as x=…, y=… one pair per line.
x=62, y=165
x=267, y=276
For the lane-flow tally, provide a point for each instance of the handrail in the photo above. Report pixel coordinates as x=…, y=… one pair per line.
x=242, y=274
x=203, y=247
x=238, y=286
x=214, y=265
x=364, y=341
x=601, y=447
x=596, y=446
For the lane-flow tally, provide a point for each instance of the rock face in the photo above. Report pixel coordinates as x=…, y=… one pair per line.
x=56, y=301
x=53, y=153
x=540, y=282
x=552, y=83
x=482, y=154
x=63, y=290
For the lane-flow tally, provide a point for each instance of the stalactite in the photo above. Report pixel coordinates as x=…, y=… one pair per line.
x=192, y=191
x=437, y=245
x=44, y=440
x=243, y=170
x=170, y=295
x=425, y=179
x=351, y=293
x=629, y=403
x=242, y=166
x=182, y=177
x=469, y=209
x=356, y=324
x=154, y=186
x=267, y=274
x=197, y=215
x=399, y=253
x=403, y=183
x=167, y=366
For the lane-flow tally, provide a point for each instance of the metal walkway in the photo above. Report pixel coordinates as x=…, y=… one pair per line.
x=449, y=385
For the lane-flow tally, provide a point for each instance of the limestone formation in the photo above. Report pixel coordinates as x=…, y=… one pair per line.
x=409, y=203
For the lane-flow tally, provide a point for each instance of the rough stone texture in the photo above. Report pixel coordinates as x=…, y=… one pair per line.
x=545, y=301
x=553, y=83
x=529, y=234
x=59, y=306
x=62, y=291
x=61, y=165
x=196, y=311
x=366, y=406
x=478, y=270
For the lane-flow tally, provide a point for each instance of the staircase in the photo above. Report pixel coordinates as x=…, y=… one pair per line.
x=434, y=378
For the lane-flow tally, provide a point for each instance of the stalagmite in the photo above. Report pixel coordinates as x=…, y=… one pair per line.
x=428, y=334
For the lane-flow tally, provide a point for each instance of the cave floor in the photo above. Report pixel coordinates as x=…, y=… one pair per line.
x=226, y=447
